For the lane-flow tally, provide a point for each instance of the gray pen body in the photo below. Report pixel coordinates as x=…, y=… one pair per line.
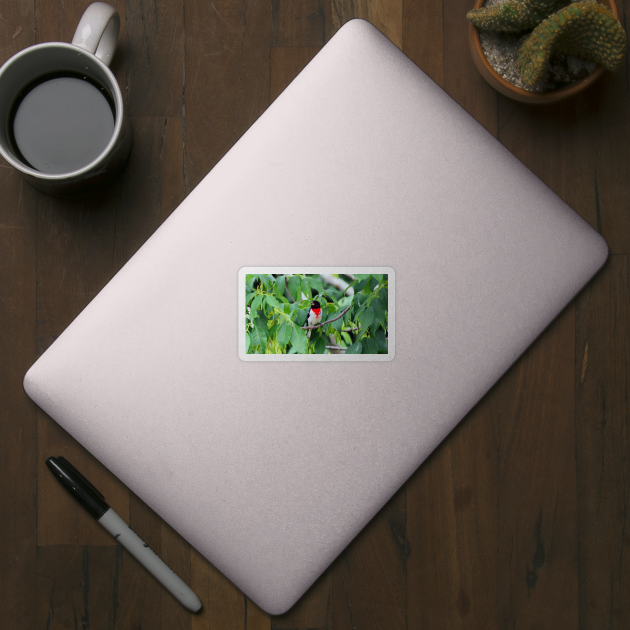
x=149, y=559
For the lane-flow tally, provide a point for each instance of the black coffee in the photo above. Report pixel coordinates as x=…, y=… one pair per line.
x=61, y=123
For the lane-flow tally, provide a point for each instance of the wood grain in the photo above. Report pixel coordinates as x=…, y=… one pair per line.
x=386, y=15
x=602, y=380
x=226, y=78
x=154, y=57
x=285, y=64
x=147, y=603
x=18, y=416
x=537, y=510
x=224, y=606
x=369, y=577
x=452, y=516
x=422, y=36
x=76, y=587
x=303, y=23
x=461, y=79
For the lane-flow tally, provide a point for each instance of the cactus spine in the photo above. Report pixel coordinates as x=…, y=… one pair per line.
x=583, y=29
x=513, y=16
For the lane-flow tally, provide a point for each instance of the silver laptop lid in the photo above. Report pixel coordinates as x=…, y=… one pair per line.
x=270, y=468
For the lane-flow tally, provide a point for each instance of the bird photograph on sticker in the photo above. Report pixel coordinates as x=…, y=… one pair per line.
x=325, y=313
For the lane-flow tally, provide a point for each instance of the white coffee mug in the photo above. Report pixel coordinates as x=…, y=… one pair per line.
x=61, y=105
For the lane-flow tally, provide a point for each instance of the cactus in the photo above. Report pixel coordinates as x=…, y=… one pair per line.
x=584, y=29
x=513, y=16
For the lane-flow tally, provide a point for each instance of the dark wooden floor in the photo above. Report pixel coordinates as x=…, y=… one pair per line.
x=518, y=520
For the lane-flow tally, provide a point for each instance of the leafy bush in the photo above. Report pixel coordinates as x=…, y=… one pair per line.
x=277, y=307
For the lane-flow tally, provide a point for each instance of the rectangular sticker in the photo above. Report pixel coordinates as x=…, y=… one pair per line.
x=316, y=313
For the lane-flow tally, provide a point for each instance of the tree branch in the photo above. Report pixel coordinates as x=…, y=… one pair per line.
x=334, y=319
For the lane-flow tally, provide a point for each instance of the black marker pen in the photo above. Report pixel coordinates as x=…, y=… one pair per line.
x=94, y=502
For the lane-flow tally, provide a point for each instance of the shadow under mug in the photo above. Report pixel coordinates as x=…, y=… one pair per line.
x=88, y=56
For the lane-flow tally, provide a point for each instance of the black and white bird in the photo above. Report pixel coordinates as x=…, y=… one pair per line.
x=314, y=316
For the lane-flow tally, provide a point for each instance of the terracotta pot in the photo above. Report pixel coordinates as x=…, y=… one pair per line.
x=518, y=94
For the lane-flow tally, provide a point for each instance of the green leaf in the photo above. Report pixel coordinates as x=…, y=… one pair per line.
x=268, y=281
x=279, y=286
x=299, y=340
x=380, y=339
x=347, y=338
x=383, y=295
x=315, y=282
x=338, y=324
x=369, y=346
x=284, y=334
x=306, y=288
x=366, y=319
x=355, y=348
x=294, y=286
x=273, y=330
x=300, y=317
x=379, y=312
x=257, y=301
x=261, y=328
x=359, y=286
x=255, y=339
x=272, y=302
x=320, y=345
x=248, y=341
x=250, y=296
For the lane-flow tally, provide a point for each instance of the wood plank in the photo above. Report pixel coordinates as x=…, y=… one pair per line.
x=369, y=577
x=422, y=36
x=226, y=78
x=154, y=57
x=17, y=28
x=558, y=147
x=18, y=422
x=152, y=185
x=142, y=600
x=537, y=537
x=461, y=78
x=575, y=147
x=255, y=617
x=61, y=520
x=224, y=606
x=608, y=127
x=18, y=415
x=285, y=64
x=300, y=23
x=386, y=15
x=603, y=469
x=76, y=587
x=313, y=610
x=452, y=527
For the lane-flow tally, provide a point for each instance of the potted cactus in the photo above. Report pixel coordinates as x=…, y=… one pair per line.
x=558, y=49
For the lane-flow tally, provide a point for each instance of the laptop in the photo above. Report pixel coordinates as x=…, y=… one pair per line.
x=363, y=167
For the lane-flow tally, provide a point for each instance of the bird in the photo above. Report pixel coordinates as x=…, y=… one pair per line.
x=314, y=316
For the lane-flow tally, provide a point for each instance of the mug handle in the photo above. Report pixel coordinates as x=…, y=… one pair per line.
x=98, y=30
